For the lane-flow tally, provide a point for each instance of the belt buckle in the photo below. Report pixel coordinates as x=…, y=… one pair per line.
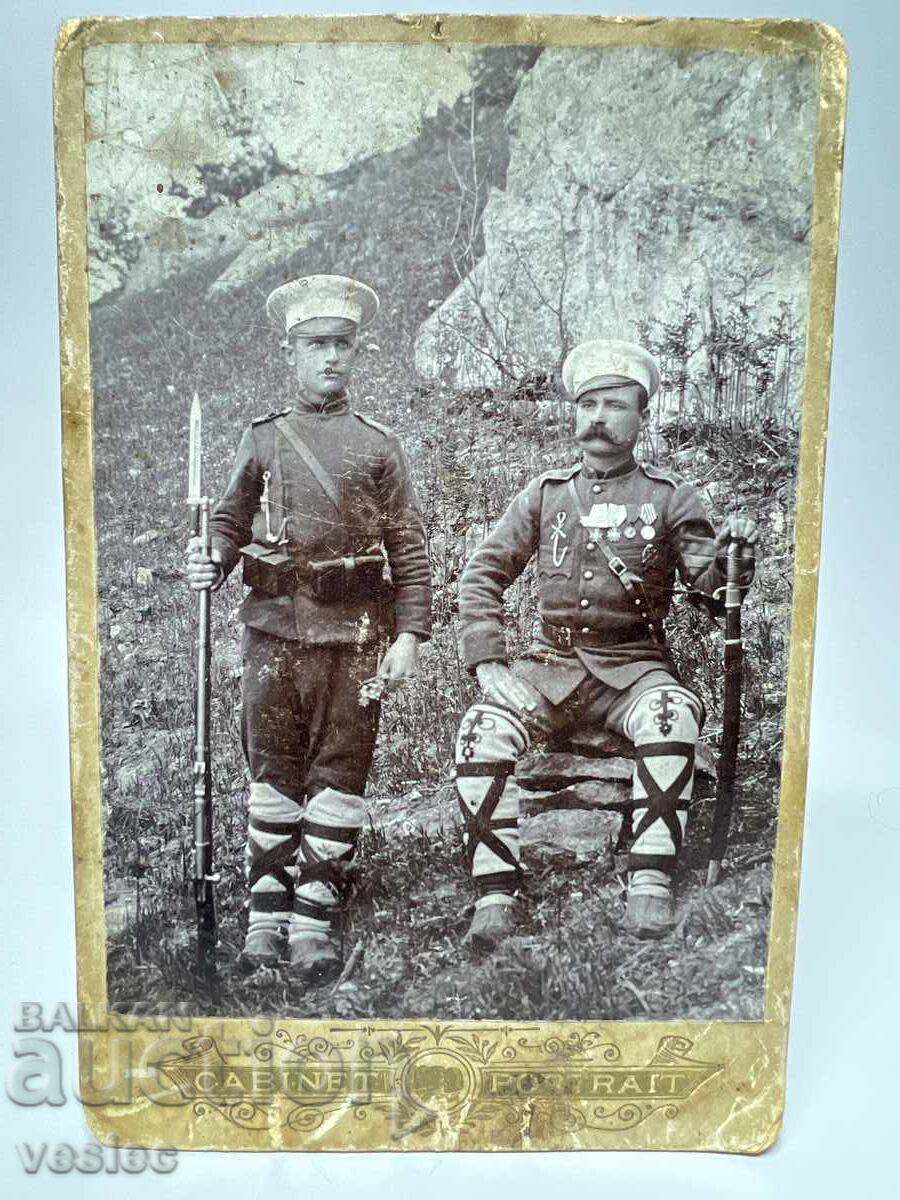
x=564, y=637
x=617, y=566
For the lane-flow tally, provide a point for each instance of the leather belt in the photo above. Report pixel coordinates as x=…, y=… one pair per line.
x=564, y=638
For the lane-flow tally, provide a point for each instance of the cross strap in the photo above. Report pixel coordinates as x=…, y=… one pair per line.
x=318, y=472
x=481, y=825
x=663, y=802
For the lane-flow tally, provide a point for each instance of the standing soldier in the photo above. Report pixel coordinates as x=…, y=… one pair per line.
x=609, y=534
x=318, y=504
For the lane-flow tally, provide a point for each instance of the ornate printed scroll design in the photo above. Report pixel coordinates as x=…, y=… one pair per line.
x=439, y=1077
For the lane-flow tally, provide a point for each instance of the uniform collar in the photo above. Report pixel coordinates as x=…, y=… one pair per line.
x=327, y=407
x=623, y=469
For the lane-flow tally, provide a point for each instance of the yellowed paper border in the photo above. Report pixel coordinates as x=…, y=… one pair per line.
x=342, y=1085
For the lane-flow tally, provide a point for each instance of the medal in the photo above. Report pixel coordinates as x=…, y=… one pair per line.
x=648, y=532
x=648, y=513
x=629, y=531
x=613, y=535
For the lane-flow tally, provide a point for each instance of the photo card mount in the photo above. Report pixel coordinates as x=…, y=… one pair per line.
x=180, y=179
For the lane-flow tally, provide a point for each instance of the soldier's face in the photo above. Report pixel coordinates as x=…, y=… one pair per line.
x=323, y=363
x=609, y=420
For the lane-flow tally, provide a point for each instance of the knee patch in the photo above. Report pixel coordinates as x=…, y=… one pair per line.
x=491, y=739
x=662, y=713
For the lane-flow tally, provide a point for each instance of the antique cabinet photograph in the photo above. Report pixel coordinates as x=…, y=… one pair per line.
x=445, y=408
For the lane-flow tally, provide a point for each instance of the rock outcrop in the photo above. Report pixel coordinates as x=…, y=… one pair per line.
x=269, y=120
x=634, y=174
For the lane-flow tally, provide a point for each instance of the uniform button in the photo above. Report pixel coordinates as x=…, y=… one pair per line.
x=597, y=489
x=590, y=545
x=585, y=629
x=584, y=603
x=589, y=574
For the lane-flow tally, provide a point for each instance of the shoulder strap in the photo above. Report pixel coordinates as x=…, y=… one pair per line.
x=270, y=416
x=321, y=476
x=367, y=420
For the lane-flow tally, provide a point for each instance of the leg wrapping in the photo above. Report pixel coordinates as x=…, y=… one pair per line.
x=272, y=841
x=490, y=741
x=330, y=831
x=663, y=782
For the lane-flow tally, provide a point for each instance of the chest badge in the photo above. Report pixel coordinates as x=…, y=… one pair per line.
x=605, y=518
x=648, y=516
x=557, y=536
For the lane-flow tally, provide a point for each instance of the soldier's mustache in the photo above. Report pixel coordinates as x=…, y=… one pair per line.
x=595, y=431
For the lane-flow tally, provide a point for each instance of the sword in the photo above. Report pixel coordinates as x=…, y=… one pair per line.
x=204, y=879
x=731, y=716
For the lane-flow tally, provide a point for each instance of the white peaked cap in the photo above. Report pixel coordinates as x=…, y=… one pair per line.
x=334, y=297
x=599, y=363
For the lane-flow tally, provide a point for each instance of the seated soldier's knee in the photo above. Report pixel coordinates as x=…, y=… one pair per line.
x=669, y=712
x=490, y=733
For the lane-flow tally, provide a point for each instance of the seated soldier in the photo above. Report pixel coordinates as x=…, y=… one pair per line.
x=609, y=534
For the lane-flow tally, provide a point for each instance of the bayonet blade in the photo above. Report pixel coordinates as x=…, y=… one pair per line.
x=194, y=458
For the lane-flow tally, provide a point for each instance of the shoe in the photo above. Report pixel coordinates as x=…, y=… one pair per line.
x=263, y=948
x=492, y=924
x=649, y=916
x=314, y=958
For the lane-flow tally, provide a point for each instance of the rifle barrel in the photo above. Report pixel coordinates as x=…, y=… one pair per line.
x=203, y=861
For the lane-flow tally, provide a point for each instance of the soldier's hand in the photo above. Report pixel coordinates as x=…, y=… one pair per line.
x=401, y=659
x=745, y=532
x=499, y=683
x=202, y=570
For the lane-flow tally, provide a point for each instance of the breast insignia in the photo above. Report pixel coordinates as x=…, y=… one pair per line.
x=558, y=535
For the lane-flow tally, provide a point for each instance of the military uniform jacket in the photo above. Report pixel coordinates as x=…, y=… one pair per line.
x=660, y=527
x=376, y=507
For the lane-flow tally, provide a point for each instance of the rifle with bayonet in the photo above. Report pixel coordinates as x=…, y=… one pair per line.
x=731, y=717
x=204, y=879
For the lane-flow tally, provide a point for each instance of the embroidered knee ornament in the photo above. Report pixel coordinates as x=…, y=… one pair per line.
x=664, y=724
x=273, y=837
x=328, y=837
x=490, y=741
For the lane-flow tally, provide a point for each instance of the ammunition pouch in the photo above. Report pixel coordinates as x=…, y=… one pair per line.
x=354, y=578
x=268, y=569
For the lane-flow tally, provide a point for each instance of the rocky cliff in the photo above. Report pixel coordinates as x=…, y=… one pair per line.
x=634, y=175
x=201, y=151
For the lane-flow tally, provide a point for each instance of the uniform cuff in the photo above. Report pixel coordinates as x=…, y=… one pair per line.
x=228, y=553
x=482, y=642
x=413, y=627
x=412, y=611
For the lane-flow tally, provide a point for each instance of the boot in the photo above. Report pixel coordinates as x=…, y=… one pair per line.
x=649, y=912
x=315, y=958
x=264, y=947
x=495, y=919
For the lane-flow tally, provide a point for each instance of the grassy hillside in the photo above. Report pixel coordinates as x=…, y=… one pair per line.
x=396, y=225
